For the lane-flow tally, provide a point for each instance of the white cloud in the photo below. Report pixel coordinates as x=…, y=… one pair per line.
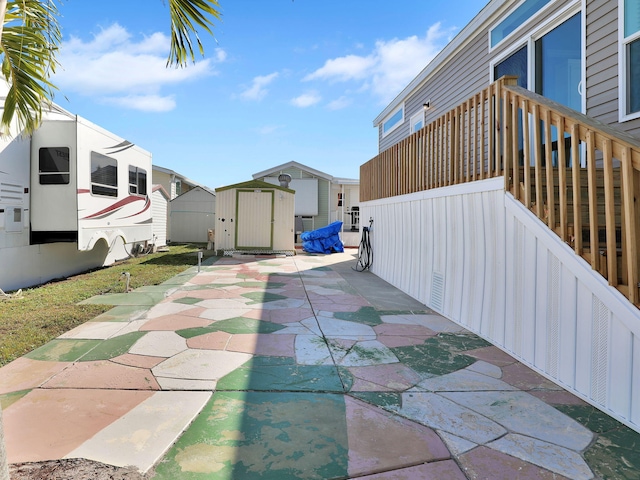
x=340, y=103
x=147, y=103
x=389, y=67
x=268, y=129
x=116, y=68
x=221, y=55
x=344, y=68
x=306, y=100
x=258, y=90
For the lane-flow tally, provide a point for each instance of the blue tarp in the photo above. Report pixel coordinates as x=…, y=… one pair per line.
x=323, y=240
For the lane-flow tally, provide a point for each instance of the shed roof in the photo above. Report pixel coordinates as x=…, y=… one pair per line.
x=254, y=184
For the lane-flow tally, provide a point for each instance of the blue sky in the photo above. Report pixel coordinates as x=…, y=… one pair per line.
x=283, y=80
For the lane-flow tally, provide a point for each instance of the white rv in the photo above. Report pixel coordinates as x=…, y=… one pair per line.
x=73, y=196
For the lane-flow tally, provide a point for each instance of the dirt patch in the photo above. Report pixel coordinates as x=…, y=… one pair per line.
x=73, y=469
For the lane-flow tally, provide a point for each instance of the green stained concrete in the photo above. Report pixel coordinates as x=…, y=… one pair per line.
x=187, y=300
x=590, y=417
x=132, y=298
x=113, y=347
x=121, y=313
x=155, y=288
x=63, y=350
x=433, y=358
x=343, y=287
x=181, y=278
x=265, y=375
x=615, y=455
x=386, y=400
x=9, y=399
x=367, y=315
x=262, y=297
x=237, y=325
x=262, y=435
x=460, y=342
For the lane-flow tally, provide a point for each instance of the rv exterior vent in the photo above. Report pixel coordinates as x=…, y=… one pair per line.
x=437, y=291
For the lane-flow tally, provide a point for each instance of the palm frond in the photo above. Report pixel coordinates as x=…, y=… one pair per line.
x=29, y=44
x=186, y=17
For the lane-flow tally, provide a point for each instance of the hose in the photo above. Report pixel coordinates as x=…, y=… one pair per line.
x=365, y=253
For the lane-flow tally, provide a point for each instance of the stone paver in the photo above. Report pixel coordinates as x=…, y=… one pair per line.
x=265, y=367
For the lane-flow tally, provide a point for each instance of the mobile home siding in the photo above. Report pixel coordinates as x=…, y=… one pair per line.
x=603, y=84
x=602, y=60
x=465, y=72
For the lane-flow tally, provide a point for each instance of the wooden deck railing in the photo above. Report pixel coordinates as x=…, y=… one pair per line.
x=580, y=177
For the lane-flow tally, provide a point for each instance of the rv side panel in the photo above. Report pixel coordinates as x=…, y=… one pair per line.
x=112, y=204
x=54, y=205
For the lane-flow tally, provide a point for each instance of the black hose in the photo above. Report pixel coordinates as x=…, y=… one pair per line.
x=365, y=253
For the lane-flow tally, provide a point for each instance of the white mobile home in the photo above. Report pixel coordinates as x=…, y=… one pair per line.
x=73, y=196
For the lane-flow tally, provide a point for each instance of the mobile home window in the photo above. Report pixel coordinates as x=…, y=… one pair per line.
x=512, y=22
x=104, y=175
x=394, y=121
x=137, y=181
x=631, y=53
x=417, y=121
x=53, y=166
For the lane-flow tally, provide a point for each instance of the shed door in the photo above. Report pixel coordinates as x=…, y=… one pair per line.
x=254, y=221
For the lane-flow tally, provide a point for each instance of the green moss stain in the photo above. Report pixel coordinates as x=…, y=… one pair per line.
x=8, y=399
x=262, y=297
x=63, y=350
x=262, y=435
x=367, y=315
x=237, y=325
x=589, y=416
x=113, y=347
x=615, y=455
x=258, y=376
x=386, y=400
x=187, y=300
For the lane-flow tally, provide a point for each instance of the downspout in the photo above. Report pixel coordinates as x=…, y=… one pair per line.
x=342, y=215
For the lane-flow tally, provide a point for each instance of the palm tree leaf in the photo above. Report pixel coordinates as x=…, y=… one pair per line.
x=29, y=42
x=186, y=17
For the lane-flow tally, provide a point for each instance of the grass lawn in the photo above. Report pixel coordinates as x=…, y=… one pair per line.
x=46, y=311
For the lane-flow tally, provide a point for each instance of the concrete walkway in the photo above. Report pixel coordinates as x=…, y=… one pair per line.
x=297, y=368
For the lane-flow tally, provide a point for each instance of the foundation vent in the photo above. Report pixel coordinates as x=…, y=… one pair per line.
x=599, y=351
x=437, y=291
x=553, y=315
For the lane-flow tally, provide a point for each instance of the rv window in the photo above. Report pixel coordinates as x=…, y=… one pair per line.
x=53, y=166
x=104, y=175
x=137, y=180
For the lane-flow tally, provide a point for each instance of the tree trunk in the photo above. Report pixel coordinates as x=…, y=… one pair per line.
x=4, y=464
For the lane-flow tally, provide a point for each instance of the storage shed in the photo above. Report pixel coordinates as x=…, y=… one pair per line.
x=255, y=217
x=160, y=213
x=192, y=215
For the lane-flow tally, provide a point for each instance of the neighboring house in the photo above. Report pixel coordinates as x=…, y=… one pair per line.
x=484, y=212
x=73, y=196
x=174, y=183
x=191, y=216
x=320, y=199
x=160, y=212
x=188, y=216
